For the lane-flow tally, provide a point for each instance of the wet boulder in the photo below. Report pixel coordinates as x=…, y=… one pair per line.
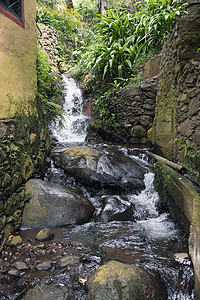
x=54, y=205
x=50, y=291
x=115, y=208
x=109, y=169
x=118, y=281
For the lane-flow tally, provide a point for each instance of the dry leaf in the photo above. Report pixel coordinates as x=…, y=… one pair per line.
x=82, y=280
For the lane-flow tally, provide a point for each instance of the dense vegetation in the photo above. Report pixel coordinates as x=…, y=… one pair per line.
x=122, y=40
x=104, y=51
x=48, y=92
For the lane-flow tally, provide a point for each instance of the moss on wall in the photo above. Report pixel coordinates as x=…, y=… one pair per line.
x=24, y=136
x=170, y=112
x=184, y=204
x=24, y=143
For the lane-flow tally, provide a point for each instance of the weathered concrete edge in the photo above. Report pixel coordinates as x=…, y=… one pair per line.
x=184, y=204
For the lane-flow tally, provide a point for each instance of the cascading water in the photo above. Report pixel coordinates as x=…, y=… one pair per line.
x=151, y=241
x=73, y=129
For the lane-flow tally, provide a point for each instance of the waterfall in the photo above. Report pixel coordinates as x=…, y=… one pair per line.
x=74, y=128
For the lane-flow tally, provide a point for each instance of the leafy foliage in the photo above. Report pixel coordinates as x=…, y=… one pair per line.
x=72, y=34
x=101, y=108
x=123, y=38
x=48, y=92
x=191, y=154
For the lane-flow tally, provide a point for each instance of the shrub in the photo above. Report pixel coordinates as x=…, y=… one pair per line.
x=47, y=88
x=123, y=38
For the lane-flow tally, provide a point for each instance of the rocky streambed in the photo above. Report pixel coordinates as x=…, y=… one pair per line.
x=106, y=232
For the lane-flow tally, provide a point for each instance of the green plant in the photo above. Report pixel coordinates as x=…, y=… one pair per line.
x=191, y=154
x=102, y=112
x=122, y=39
x=42, y=15
x=47, y=88
x=71, y=36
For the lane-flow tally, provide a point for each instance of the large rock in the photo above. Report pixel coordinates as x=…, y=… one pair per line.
x=106, y=169
x=115, y=208
x=116, y=280
x=49, y=292
x=54, y=205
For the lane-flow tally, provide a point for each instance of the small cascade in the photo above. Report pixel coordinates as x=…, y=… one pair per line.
x=74, y=127
x=149, y=238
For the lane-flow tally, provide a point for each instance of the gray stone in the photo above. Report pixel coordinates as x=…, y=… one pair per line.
x=44, y=266
x=2, y=222
x=3, y=130
x=1, y=206
x=49, y=292
x=67, y=260
x=16, y=240
x=115, y=208
x=138, y=132
x=54, y=205
x=146, y=121
x=98, y=168
x=20, y=265
x=14, y=272
x=194, y=106
x=152, y=67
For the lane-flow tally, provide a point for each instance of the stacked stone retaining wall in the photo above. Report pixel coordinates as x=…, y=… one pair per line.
x=23, y=146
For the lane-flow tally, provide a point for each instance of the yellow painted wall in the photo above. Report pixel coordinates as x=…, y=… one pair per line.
x=18, y=81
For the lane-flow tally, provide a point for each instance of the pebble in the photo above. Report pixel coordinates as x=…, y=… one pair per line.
x=16, y=240
x=67, y=260
x=44, y=266
x=20, y=265
x=14, y=272
x=44, y=235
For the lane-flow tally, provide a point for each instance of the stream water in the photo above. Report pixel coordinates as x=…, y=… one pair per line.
x=153, y=241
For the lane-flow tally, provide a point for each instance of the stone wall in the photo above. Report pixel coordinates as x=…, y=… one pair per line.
x=188, y=105
x=23, y=145
x=184, y=203
x=47, y=38
x=24, y=133
x=134, y=107
x=177, y=111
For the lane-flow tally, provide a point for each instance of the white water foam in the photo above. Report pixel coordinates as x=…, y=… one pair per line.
x=150, y=221
x=148, y=198
x=75, y=123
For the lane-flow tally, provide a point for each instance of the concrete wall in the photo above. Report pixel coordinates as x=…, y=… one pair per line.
x=18, y=79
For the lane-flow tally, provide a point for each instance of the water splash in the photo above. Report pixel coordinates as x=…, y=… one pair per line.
x=75, y=123
x=146, y=201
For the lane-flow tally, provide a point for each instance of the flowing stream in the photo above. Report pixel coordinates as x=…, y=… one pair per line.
x=152, y=241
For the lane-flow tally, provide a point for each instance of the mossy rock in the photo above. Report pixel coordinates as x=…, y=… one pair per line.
x=118, y=281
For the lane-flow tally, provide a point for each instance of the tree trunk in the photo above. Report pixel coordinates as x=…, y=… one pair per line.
x=102, y=7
